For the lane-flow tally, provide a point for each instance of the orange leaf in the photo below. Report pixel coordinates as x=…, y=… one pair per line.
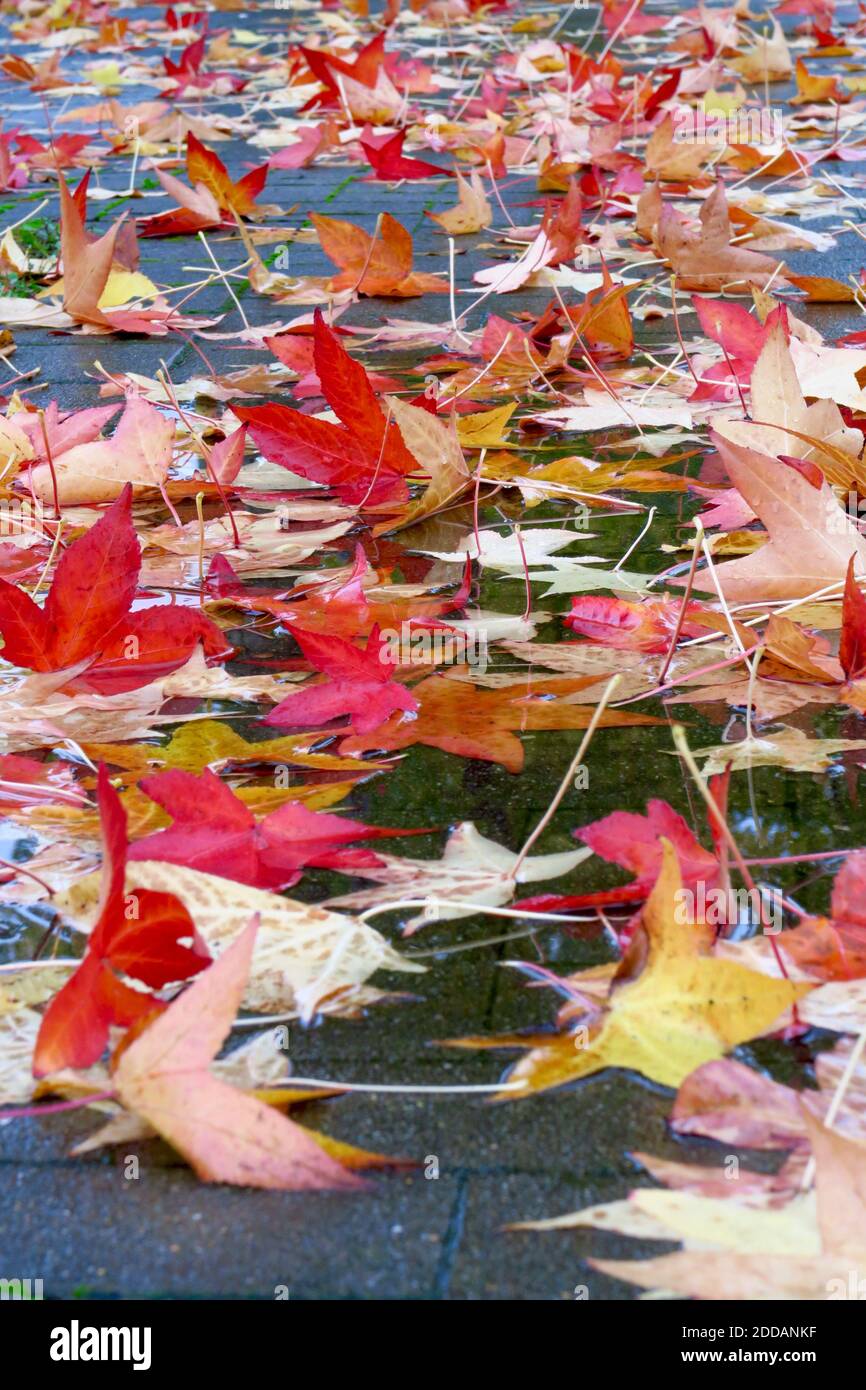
x=206, y=167
x=86, y=265
x=381, y=264
x=478, y=723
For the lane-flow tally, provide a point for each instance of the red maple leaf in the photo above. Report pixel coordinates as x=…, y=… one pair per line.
x=215, y=832
x=646, y=626
x=362, y=459
x=139, y=935
x=86, y=616
x=634, y=842
x=339, y=607
x=852, y=640
x=385, y=155
x=359, y=684
x=364, y=68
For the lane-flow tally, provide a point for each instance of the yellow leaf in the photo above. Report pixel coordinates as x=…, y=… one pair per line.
x=108, y=76
x=473, y=211
x=686, y=1007
x=123, y=286
x=486, y=429
x=208, y=743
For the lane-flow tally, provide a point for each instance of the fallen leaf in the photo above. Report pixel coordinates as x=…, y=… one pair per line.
x=163, y=1075
x=683, y=1008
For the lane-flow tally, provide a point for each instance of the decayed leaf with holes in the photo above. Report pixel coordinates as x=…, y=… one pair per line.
x=307, y=960
x=683, y=1007
x=472, y=869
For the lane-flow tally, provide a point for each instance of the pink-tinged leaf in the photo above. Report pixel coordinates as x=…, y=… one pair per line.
x=359, y=685
x=64, y=432
x=848, y=903
x=634, y=842
x=163, y=1075
x=227, y=457
x=733, y=327
x=852, y=640
x=303, y=151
